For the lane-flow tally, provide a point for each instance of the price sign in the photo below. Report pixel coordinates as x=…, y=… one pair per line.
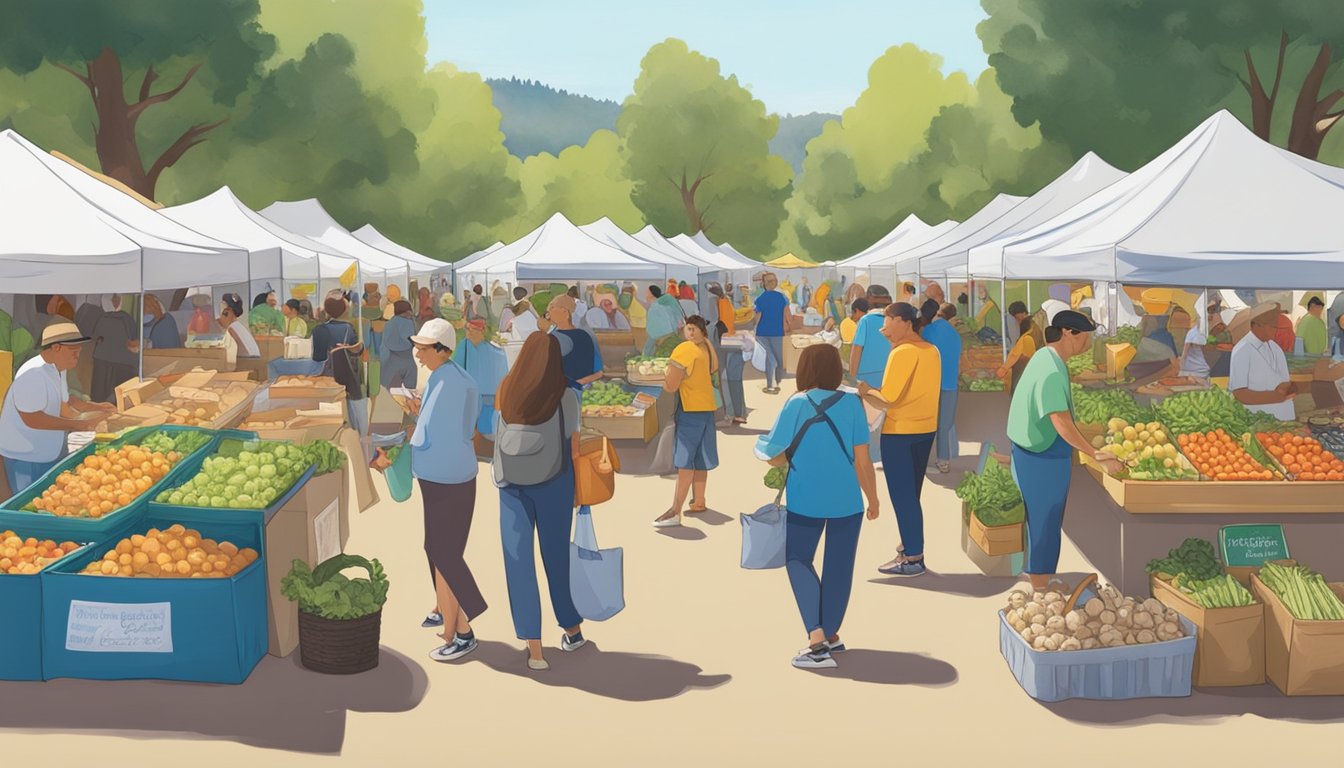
x=1252, y=545
x=119, y=627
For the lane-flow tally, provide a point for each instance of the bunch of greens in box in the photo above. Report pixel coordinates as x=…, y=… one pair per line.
x=1303, y=591
x=1098, y=406
x=1193, y=560
x=992, y=495
x=326, y=592
x=1079, y=363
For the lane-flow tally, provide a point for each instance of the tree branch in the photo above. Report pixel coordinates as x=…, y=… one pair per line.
x=696, y=186
x=1256, y=87
x=87, y=81
x=193, y=136
x=1244, y=84
x=150, y=77
x=1323, y=106
x=148, y=101
x=1278, y=72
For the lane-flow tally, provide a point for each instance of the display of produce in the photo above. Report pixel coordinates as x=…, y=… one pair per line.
x=1303, y=591
x=607, y=393
x=1209, y=409
x=1098, y=406
x=1219, y=592
x=992, y=495
x=173, y=553
x=986, y=385
x=1125, y=334
x=246, y=475
x=303, y=381
x=1304, y=458
x=27, y=556
x=651, y=367
x=1193, y=559
x=774, y=479
x=328, y=593
x=111, y=478
x=1079, y=364
x=1218, y=456
x=1330, y=432
x=1108, y=620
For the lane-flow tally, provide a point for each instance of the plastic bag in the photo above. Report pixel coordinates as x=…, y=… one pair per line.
x=596, y=576
x=763, y=534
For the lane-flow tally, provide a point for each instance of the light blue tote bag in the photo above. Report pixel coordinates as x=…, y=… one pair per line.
x=596, y=576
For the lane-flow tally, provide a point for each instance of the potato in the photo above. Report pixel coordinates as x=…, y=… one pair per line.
x=1075, y=620
x=1017, y=598
x=1039, y=643
x=1033, y=609
x=1071, y=644
x=1052, y=597
x=1108, y=616
x=1083, y=633
x=1143, y=620
x=1056, y=624
x=1146, y=636
x=1039, y=619
x=1091, y=643
x=1129, y=638
x=1049, y=643
x=1056, y=608
x=1154, y=606
x=1123, y=615
x=1094, y=607
x=1026, y=635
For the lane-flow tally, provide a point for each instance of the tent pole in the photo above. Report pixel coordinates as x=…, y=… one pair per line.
x=1003, y=313
x=1114, y=310
x=141, y=323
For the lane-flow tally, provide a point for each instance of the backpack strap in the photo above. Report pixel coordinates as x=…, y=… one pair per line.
x=817, y=418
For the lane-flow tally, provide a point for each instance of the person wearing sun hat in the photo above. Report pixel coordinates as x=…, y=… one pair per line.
x=1259, y=376
x=38, y=410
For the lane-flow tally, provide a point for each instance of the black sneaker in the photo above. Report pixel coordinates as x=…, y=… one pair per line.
x=817, y=657
x=454, y=650
x=573, y=642
x=433, y=619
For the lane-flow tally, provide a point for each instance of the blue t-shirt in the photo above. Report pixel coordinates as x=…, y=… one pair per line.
x=579, y=355
x=771, y=305
x=824, y=483
x=441, y=448
x=876, y=349
x=945, y=338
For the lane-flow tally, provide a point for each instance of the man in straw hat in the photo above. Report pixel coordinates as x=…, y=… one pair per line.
x=1258, y=376
x=38, y=411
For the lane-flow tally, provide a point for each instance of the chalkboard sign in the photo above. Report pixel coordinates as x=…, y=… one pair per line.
x=1252, y=545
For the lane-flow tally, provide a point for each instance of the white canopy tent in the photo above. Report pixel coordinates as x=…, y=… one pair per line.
x=906, y=262
x=276, y=253
x=66, y=231
x=419, y=263
x=702, y=240
x=680, y=266
x=1087, y=176
x=310, y=219
x=558, y=250
x=910, y=232
x=684, y=243
x=1220, y=208
x=476, y=256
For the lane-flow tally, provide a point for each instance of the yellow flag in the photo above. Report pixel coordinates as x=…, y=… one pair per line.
x=349, y=276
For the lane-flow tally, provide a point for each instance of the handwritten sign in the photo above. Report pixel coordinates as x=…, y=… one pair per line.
x=119, y=627
x=1252, y=545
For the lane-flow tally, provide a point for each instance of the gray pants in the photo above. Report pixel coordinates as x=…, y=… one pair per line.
x=734, y=399
x=946, y=441
x=774, y=359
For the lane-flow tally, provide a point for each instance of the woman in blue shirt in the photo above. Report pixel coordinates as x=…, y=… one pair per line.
x=444, y=461
x=160, y=327
x=822, y=434
x=772, y=320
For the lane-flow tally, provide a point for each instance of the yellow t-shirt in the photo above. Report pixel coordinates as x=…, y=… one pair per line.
x=847, y=329
x=696, y=390
x=911, y=384
x=1025, y=346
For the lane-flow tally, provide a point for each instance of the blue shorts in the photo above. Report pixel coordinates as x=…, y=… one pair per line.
x=697, y=444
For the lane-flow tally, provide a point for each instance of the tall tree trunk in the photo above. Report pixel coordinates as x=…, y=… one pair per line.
x=1262, y=103
x=1312, y=118
x=114, y=139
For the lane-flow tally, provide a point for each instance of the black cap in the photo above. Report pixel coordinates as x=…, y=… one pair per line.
x=1070, y=320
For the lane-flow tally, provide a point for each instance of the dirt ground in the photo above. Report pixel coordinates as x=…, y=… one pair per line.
x=695, y=671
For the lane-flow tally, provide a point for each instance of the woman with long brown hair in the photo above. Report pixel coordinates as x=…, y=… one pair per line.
x=536, y=442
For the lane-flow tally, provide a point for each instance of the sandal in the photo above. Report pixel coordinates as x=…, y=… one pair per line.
x=696, y=509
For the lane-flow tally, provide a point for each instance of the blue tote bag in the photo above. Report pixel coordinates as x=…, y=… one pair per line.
x=596, y=576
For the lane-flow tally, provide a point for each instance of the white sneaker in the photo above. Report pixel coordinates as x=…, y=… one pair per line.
x=574, y=643
x=819, y=658
x=454, y=650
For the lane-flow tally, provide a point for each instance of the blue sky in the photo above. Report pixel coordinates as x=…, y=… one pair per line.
x=796, y=55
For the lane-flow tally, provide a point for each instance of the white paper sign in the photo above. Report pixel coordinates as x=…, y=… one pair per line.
x=119, y=627
x=327, y=531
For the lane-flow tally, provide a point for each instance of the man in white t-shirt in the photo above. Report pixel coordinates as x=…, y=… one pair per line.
x=1258, y=376
x=38, y=410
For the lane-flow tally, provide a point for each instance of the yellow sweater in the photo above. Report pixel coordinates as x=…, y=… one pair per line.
x=911, y=384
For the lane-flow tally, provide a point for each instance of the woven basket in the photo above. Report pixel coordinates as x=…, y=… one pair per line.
x=339, y=646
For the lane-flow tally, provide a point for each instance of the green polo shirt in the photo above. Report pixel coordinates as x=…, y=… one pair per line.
x=1042, y=390
x=1311, y=329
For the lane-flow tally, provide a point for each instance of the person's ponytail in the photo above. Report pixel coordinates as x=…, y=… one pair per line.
x=1053, y=334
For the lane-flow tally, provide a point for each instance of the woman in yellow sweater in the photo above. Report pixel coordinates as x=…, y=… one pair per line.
x=909, y=395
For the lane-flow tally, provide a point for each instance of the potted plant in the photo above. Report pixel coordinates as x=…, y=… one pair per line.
x=340, y=618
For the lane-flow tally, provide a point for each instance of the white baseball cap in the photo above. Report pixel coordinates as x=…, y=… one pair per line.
x=437, y=331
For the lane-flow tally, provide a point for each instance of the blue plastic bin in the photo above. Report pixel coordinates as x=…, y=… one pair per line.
x=208, y=514
x=96, y=529
x=218, y=627
x=1127, y=672
x=21, y=640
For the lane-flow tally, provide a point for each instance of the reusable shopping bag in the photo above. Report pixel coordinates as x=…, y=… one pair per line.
x=763, y=536
x=596, y=576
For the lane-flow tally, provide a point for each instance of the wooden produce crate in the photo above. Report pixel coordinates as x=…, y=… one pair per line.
x=1302, y=658
x=1196, y=497
x=1231, y=646
x=185, y=358
x=641, y=427
x=313, y=388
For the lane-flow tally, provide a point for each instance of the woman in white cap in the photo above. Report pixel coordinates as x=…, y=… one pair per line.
x=38, y=410
x=443, y=459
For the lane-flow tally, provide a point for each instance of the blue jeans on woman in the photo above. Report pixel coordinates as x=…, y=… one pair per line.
x=1044, y=479
x=774, y=359
x=548, y=509
x=822, y=600
x=905, y=459
x=734, y=399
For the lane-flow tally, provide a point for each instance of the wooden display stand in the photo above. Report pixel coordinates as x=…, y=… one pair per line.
x=1216, y=497
x=641, y=427
x=184, y=359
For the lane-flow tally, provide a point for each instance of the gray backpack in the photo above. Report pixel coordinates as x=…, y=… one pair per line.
x=524, y=455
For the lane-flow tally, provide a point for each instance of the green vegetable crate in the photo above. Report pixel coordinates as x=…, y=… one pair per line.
x=1302, y=658
x=1231, y=647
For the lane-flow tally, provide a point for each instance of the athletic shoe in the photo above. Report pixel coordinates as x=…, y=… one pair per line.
x=454, y=650
x=904, y=567
x=434, y=619
x=818, y=657
x=572, y=642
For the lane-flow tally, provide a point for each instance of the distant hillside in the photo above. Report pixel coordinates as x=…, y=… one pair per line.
x=538, y=118
x=794, y=133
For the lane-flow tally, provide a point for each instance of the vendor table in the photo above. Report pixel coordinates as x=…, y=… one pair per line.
x=278, y=368
x=1119, y=543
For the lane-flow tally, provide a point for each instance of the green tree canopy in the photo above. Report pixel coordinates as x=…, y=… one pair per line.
x=584, y=183
x=697, y=151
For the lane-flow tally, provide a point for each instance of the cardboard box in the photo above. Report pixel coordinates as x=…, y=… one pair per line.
x=185, y=358
x=641, y=427
x=990, y=565
x=1302, y=658
x=293, y=427
x=995, y=540
x=307, y=528
x=1231, y=641
x=315, y=388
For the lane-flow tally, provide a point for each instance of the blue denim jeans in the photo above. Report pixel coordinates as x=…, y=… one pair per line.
x=734, y=399
x=905, y=459
x=774, y=359
x=548, y=510
x=22, y=474
x=822, y=600
x=1044, y=479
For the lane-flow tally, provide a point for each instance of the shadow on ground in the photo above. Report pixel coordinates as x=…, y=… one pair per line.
x=891, y=668
x=682, y=533
x=710, y=517
x=1207, y=704
x=280, y=706
x=611, y=674
x=965, y=584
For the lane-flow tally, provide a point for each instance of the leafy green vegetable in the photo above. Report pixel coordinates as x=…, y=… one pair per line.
x=986, y=385
x=774, y=479
x=1219, y=592
x=1303, y=592
x=1194, y=559
x=325, y=591
x=1204, y=411
x=992, y=495
x=1098, y=406
x=1080, y=363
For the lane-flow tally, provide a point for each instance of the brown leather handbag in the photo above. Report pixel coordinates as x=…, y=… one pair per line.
x=595, y=472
